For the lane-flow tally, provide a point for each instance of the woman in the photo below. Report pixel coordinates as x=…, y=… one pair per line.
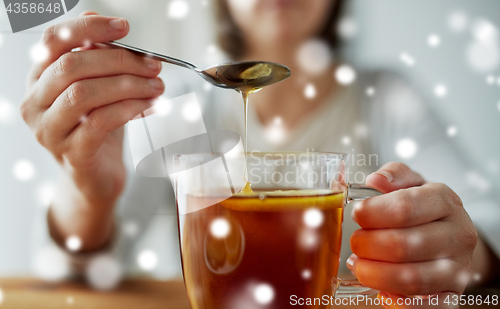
x=78, y=102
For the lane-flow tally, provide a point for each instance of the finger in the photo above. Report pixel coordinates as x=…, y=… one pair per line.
x=82, y=31
x=75, y=66
x=86, y=139
x=394, y=176
x=420, y=278
x=446, y=300
x=414, y=244
x=88, y=13
x=406, y=207
x=82, y=97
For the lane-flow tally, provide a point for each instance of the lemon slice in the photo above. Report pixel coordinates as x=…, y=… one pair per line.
x=285, y=200
x=257, y=71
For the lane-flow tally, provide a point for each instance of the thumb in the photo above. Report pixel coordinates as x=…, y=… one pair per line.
x=394, y=176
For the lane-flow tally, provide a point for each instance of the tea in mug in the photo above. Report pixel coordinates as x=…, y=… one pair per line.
x=255, y=250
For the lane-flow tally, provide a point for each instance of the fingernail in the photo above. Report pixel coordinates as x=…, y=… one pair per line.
x=118, y=23
x=155, y=83
x=383, y=296
x=152, y=64
x=350, y=260
x=387, y=175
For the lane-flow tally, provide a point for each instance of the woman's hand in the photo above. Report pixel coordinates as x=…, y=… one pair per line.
x=415, y=240
x=76, y=105
x=78, y=102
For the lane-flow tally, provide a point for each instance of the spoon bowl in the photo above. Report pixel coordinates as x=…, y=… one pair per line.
x=247, y=74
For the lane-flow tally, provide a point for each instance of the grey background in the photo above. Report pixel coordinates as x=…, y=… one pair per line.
x=385, y=29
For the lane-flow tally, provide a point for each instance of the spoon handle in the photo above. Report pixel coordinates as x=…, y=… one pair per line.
x=152, y=55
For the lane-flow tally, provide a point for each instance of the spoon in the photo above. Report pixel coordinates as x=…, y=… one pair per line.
x=242, y=76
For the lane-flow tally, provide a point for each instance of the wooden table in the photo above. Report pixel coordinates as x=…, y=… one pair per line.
x=143, y=294
x=139, y=293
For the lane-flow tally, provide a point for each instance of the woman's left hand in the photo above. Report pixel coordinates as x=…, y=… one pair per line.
x=415, y=240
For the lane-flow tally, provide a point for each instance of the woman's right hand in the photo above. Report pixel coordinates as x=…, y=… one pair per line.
x=77, y=102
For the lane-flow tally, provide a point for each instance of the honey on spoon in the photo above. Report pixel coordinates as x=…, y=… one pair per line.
x=245, y=77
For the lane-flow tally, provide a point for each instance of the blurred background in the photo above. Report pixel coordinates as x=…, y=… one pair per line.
x=449, y=50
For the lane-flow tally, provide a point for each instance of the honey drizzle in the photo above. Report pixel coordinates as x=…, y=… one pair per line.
x=245, y=93
x=249, y=77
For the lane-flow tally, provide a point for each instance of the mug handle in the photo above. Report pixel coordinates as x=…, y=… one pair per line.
x=353, y=288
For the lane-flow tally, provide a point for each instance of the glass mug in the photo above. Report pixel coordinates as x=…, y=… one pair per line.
x=257, y=250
